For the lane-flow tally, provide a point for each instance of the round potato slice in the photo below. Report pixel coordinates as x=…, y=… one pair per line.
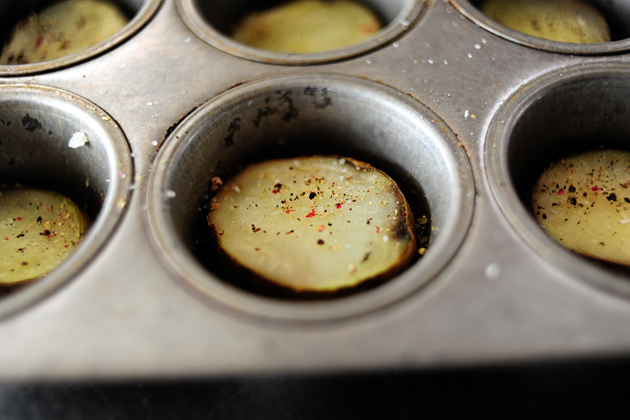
x=572, y=21
x=314, y=224
x=308, y=26
x=38, y=231
x=584, y=203
x=62, y=29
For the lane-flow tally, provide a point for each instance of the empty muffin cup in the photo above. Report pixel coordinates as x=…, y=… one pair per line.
x=563, y=26
x=306, y=115
x=54, y=141
x=217, y=22
x=552, y=119
x=45, y=35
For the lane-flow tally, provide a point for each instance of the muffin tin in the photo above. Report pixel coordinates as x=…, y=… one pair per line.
x=459, y=111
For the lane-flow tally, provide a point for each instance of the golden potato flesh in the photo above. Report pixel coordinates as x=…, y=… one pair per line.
x=38, y=231
x=308, y=26
x=62, y=29
x=584, y=203
x=314, y=224
x=573, y=21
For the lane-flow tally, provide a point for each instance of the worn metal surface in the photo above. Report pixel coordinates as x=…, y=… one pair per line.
x=497, y=299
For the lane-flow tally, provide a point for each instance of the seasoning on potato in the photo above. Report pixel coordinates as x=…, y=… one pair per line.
x=308, y=26
x=64, y=28
x=572, y=21
x=314, y=224
x=38, y=231
x=584, y=203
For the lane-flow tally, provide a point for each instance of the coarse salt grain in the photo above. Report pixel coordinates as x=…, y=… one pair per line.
x=77, y=140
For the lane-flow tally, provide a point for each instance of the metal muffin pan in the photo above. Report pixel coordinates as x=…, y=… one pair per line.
x=445, y=91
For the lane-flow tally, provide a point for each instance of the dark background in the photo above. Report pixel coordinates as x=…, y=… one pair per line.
x=596, y=389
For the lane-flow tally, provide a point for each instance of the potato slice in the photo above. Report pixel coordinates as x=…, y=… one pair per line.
x=38, y=231
x=62, y=29
x=308, y=26
x=573, y=21
x=584, y=203
x=314, y=224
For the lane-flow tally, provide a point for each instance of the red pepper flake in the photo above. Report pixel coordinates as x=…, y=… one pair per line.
x=378, y=230
x=595, y=189
x=311, y=214
x=560, y=192
x=290, y=232
x=6, y=239
x=288, y=211
x=320, y=228
x=39, y=41
x=19, y=219
x=66, y=246
x=338, y=205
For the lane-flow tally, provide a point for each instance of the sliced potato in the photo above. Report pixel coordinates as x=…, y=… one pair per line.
x=308, y=26
x=38, y=231
x=64, y=28
x=584, y=203
x=314, y=224
x=573, y=21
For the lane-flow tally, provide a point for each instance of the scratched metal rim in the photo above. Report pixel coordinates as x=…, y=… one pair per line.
x=42, y=118
x=617, y=11
x=373, y=120
x=406, y=13
x=581, y=104
x=143, y=11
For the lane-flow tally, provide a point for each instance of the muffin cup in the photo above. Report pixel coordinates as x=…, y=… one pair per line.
x=36, y=124
x=211, y=20
x=12, y=12
x=310, y=114
x=616, y=13
x=583, y=108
